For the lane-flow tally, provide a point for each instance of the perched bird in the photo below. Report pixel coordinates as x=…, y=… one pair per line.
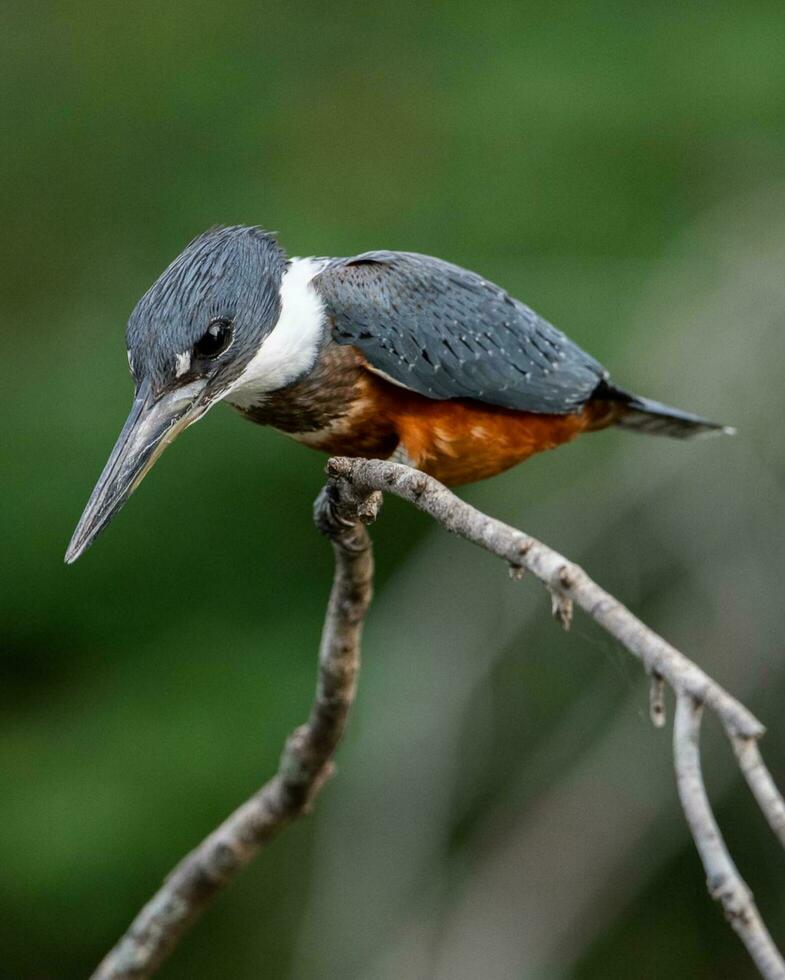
x=385, y=354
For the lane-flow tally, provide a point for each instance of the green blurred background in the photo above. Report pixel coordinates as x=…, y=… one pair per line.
x=502, y=808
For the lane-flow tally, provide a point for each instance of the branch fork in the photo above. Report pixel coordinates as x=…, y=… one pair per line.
x=350, y=500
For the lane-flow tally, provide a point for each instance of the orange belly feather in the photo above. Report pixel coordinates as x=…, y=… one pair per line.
x=457, y=441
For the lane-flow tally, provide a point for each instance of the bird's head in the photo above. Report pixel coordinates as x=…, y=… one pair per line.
x=190, y=338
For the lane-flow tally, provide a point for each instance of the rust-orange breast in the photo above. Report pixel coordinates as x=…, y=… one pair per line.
x=457, y=441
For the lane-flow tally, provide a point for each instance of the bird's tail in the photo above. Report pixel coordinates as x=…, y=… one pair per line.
x=645, y=415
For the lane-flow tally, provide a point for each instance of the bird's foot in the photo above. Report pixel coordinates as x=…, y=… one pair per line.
x=339, y=507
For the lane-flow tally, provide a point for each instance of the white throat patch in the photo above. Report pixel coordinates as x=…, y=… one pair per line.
x=289, y=351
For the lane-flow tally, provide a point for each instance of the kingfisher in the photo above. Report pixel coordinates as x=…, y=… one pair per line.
x=380, y=355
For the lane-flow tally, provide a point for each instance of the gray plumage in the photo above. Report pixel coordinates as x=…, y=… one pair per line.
x=233, y=272
x=200, y=334
x=447, y=333
x=429, y=325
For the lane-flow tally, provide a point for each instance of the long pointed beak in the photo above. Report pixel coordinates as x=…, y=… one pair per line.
x=151, y=425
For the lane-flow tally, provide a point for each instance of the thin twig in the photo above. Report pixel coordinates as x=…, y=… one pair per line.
x=554, y=571
x=760, y=782
x=724, y=882
x=304, y=768
x=350, y=499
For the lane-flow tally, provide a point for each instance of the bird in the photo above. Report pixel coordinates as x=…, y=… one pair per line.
x=386, y=354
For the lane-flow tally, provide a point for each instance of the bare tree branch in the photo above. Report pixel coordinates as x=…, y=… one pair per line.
x=724, y=882
x=760, y=782
x=304, y=768
x=560, y=576
x=351, y=499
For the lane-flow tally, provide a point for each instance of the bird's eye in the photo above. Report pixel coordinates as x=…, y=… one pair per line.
x=216, y=339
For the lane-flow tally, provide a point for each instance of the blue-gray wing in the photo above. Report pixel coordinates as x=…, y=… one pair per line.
x=445, y=332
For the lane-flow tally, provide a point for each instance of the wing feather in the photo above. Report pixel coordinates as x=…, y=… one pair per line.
x=445, y=332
